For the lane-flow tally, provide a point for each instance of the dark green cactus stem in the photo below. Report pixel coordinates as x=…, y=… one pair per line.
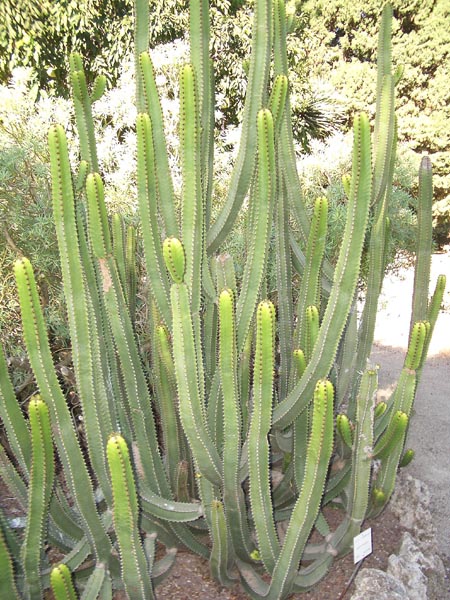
x=61, y=582
x=7, y=579
x=263, y=198
x=407, y=457
x=233, y=496
x=258, y=443
x=190, y=386
x=40, y=488
x=254, y=100
x=66, y=440
x=147, y=197
x=76, y=296
x=83, y=112
x=424, y=243
x=163, y=174
x=134, y=565
x=346, y=274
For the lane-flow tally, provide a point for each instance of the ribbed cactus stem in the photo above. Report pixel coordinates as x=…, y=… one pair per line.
x=7, y=578
x=263, y=199
x=134, y=565
x=346, y=274
x=40, y=488
x=147, y=197
x=424, y=243
x=392, y=436
x=190, y=385
x=61, y=583
x=260, y=423
x=234, y=501
x=98, y=215
x=254, y=99
x=83, y=112
x=174, y=258
x=343, y=427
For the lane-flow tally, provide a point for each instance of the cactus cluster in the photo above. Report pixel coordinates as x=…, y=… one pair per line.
x=250, y=416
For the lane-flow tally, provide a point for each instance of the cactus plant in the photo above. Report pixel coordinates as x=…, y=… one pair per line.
x=227, y=428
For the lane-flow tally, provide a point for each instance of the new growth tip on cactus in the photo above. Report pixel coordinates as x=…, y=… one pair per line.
x=231, y=430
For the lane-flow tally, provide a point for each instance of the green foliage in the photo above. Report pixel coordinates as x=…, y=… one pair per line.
x=342, y=41
x=25, y=210
x=41, y=34
x=187, y=436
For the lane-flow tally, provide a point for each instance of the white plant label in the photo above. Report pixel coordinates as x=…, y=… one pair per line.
x=362, y=545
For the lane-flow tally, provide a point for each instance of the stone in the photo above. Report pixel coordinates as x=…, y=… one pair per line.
x=408, y=567
x=410, y=503
x=373, y=584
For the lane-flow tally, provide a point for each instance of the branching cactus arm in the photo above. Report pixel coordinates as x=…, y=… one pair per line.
x=346, y=274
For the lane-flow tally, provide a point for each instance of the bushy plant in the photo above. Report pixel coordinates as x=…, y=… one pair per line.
x=342, y=43
x=25, y=208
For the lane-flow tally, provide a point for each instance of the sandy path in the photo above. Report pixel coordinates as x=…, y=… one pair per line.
x=429, y=433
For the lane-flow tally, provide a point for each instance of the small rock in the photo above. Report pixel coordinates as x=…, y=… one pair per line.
x=373, y=584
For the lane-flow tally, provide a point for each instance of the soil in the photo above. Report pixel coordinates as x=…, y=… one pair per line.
x=190, y=577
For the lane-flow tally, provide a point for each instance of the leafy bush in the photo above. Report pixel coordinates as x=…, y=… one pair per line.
x=341, y=38
x=25, y=206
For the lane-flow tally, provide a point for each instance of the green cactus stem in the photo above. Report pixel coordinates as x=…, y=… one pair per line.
x=61, y=583
x=263, y=199
x=258, y=443
x=343, y=289
x=134, y=565
x=407, y=458
x=40, y=488
x=7, y=576
x=189, y=384
x=344, y=429
x=66, y=440
x=233, y=495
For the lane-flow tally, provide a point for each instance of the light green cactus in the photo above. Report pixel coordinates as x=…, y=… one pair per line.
x=222, y=425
